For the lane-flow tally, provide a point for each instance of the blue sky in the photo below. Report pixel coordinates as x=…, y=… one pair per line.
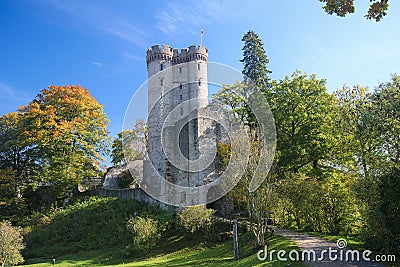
x=101, y=44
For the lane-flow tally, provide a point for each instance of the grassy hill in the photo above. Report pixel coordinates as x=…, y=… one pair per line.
x=93, y=224
x=93, y=233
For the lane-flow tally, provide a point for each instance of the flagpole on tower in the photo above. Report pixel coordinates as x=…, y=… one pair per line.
x=201, y=36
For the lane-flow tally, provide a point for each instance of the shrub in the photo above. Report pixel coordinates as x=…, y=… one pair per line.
x=125, y=180
x=196, y=218
x=145, y=231
x=10, y=244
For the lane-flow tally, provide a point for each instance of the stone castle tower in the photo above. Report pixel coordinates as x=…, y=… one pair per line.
x=177, y=88
x=178, y=125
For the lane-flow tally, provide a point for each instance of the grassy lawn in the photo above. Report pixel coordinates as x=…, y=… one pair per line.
x=195, y=255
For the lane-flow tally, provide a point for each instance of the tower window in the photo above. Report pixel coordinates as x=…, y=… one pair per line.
x=181, y=110
x=180, y=97
x=180, y=86
x=198, y=66
x=161, y=82
x=161, y=66
x=199, y=82
x=180, y=69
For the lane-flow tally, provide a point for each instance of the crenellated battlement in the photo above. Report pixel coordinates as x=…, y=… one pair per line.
x=159, y=53
x=175, y=55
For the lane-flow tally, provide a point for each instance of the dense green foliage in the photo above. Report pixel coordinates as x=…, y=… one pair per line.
x=330, y=172
x=11, y=244
x=197, y=218
x=377, y=9
x=383, y=231
x=97, y=223
x=12, y=207
x=302, y=109
x=145, y=231
x=327, y=206
x=130, y=144
x=125, y=179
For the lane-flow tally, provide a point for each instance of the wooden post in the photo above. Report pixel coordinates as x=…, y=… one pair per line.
x=235, y=240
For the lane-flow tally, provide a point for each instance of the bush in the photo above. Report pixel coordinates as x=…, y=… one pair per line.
x=197, y=218
x=10, y=244
x=326, y=204
x=145, y=231
x=125, y=180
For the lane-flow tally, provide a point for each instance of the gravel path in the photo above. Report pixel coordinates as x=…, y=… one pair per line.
x=309, y=242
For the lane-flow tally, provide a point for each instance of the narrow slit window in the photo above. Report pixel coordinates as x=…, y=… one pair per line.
x=161, y=82
x=161, y=66
x=199, y=82
x=180, y=86
x=180, y=69
x=198, y=66
x=180, y=97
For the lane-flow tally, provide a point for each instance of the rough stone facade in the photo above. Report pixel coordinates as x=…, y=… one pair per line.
x=175, y=77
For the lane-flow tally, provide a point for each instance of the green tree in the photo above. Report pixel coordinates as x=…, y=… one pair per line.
x=19, y=163
x=377, y=9
x=69, y=127
x=303, y=112
x=12, y=205
x=232, y=99
x=385, y=122
x=236, y=98
x=368, y=126
x=255, y=61
x=130, y=144
x=327, y=205
x=15, y=150
x=256, y=74
x=386, y=214
x=356, y=142
x=11, y=244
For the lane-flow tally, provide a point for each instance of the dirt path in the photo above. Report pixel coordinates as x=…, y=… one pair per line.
x=317, y=244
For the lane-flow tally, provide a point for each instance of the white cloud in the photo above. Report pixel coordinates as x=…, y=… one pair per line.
x=96, y=63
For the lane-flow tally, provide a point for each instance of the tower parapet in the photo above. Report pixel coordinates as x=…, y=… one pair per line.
x=155, y=53
x=176, y=56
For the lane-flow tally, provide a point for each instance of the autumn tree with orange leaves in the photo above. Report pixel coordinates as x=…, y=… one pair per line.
x=70, y=128
x=67, y=129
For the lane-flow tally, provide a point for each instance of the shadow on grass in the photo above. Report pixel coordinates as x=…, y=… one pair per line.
x=181, y=251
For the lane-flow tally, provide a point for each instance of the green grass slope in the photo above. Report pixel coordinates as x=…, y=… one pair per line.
x=93, y=233
x=94, y=224
x=195, y=255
